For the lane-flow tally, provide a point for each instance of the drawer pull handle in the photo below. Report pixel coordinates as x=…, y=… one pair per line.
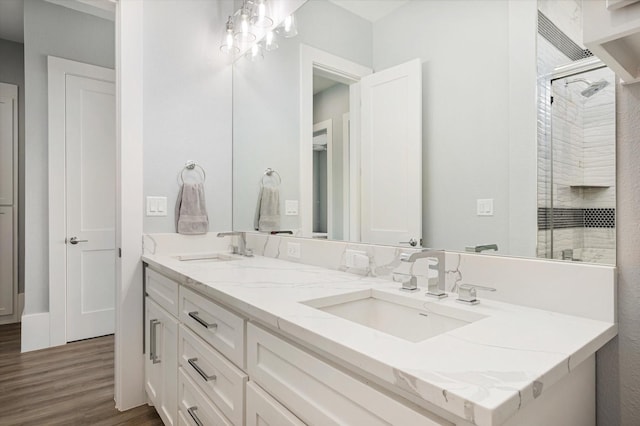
x=202, y=322
x=200, y=371
x=194, y=416
x=153, y=356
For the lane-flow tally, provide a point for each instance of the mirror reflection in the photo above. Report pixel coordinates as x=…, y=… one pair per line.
x=467, y=164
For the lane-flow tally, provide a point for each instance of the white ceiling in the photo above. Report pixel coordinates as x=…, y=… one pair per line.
x=11, y=20
x=371, y=10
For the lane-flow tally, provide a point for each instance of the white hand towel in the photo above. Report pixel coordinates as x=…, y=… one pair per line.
x=191, y=210
x=267, y=216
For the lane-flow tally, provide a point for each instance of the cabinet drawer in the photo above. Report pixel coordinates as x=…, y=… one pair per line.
x=218, y=378
x=192, y=404
x=219, y=327
x=163, y=291
x=318, y=393
x=263, y=410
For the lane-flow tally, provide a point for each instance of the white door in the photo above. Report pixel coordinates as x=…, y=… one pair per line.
x=90, y=140
x=391, y=155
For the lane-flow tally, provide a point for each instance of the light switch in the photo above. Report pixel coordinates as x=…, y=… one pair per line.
x=485, y=207
x=291, y=207
x=156, y=206
x=162, y=205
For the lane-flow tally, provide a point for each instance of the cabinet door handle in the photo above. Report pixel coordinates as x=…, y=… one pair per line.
x=202, y=322
x=194, y=416
x=200, y=371
x=153, y=356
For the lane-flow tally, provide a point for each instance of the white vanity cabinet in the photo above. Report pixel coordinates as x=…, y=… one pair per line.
x=161, y=361
x=262, y=409
x=216, y=325
x=199, y=379
x=209, y=366
x=319, y=393
x=219, y=379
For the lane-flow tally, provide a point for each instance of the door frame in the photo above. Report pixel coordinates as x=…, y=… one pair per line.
x=11, y=90
x=58, y=69
x=327, y=126
x=344, y=71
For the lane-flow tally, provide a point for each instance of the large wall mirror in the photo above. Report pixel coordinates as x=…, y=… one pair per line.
x=467, y=125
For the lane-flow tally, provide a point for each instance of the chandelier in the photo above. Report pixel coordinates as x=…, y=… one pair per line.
x=253, y=29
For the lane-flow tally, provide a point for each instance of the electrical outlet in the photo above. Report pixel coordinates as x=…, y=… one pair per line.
x=357, y=259
x=293, y=250
x=291, y=207
x=485, y=207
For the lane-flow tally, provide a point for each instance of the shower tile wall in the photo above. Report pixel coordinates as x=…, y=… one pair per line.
x=583, y=163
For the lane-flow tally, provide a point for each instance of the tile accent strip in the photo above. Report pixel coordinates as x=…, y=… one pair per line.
x=576, y=218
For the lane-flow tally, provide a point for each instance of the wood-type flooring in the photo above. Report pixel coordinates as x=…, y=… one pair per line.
x=65, y=385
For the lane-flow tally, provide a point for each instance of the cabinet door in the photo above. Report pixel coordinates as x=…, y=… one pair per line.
x=262, y=410
x=6, y=261
x=8, y=141
x=161, y=361
x=320, y=394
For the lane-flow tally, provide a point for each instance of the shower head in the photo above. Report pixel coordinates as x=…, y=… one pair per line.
x=593, y=87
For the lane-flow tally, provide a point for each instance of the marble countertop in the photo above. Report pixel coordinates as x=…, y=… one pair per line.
x=483, y=372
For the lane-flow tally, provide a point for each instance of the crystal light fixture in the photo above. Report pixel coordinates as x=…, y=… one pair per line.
x=228, y=45
x=244, y=35
x=251, y=30
x=270, y=42
x=260, y=17
x=288, y=27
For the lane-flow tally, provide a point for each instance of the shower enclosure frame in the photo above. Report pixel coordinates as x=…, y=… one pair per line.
x=570, y=70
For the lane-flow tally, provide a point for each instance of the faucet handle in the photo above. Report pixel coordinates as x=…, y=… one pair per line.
x=467, y=293
x=409, y=282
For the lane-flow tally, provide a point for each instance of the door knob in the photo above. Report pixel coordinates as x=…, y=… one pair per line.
x=412, y=242
x=75, y=240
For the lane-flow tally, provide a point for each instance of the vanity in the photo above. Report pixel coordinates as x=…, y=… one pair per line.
x=267, y=339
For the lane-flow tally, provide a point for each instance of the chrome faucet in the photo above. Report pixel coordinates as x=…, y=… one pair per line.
x=481, y=247
x=241, y=248
x=435, y=287
x=467, y=293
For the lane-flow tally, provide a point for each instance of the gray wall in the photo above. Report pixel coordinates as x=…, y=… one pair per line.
x=266, y=104
x=187, y=105
x=62, y=32
x=618, y=363
x=464, y=48
x=333, y=103
x=12, y=71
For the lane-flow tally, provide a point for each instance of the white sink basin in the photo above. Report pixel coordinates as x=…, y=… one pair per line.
x=205, y=257
x=410, y=318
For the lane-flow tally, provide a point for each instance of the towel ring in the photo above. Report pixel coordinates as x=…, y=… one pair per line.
x=270, y=172
x=191, y=165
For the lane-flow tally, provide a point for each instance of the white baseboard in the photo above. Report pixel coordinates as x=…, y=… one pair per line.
x=35, y=331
